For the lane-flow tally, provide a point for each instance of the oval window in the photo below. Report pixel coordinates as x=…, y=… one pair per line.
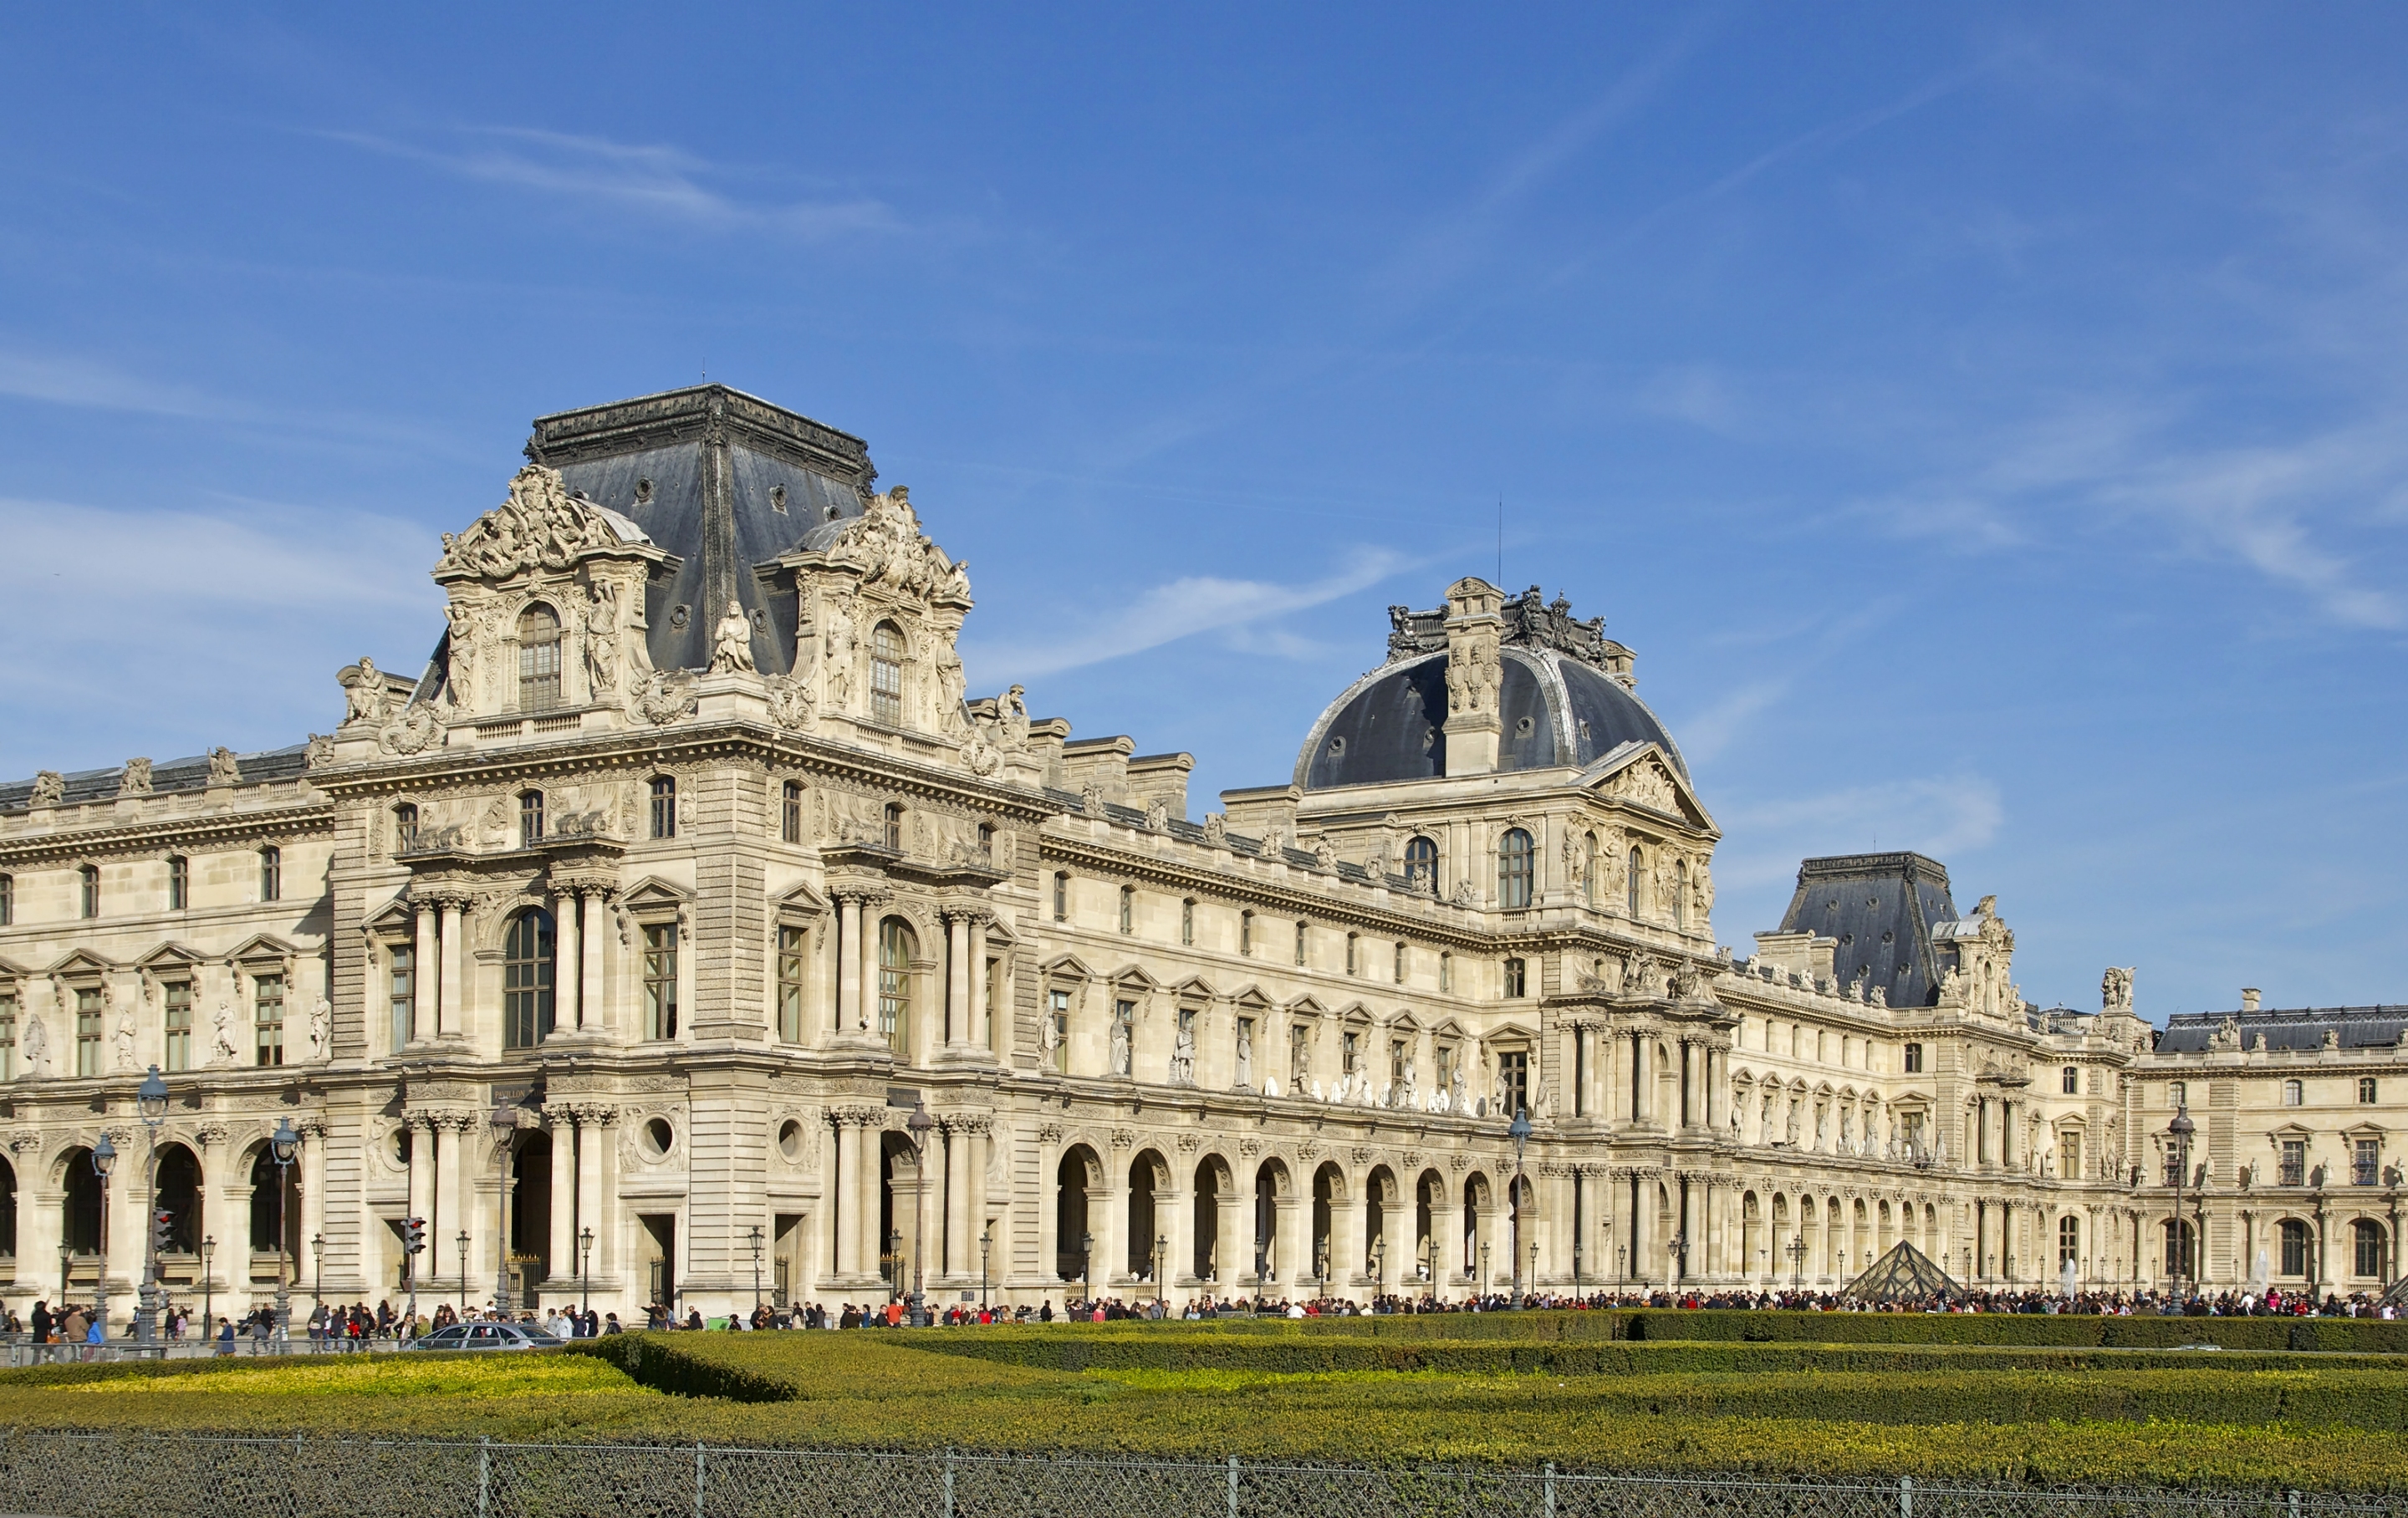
x=659, y=1135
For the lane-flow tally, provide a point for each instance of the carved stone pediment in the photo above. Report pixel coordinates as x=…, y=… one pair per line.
x=540, y=527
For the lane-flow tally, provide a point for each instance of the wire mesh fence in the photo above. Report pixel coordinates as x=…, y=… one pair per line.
x=141, y=1475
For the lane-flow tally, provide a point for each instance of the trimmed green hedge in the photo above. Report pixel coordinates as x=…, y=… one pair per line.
x=2365, y=1336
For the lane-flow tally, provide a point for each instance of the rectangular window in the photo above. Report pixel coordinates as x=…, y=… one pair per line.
x=1188, y=922
x=8, y=1034
x=7, y=900
x=790, y=984
x=790, y=813
x=271, y=874
x=2369, y=1251
x=1299, y=943
x=2069, y=1153
x=1349, y=1054
x=1058, y=1015
x=180, y=882
x=2177, y=1095
x=176, y=1001
x=1444, y=1072
x=1399, y=975
x=268, y=1018
x=88, y=884
x=661, y=980
x=2365, y=1160
x=1246, y=933
x=87, y=1032
x=530, y=819
x=1396, y=1062
x=2295, y=1162
x=2366, y=1090
x=2295, y=1248
x=1062, y=896
x=1516, y=979
x=1299, y=1056
x=995, y=1006
x=1513, y=1081
x=401, y=1003
x=664, y=807
x=2070, y=1082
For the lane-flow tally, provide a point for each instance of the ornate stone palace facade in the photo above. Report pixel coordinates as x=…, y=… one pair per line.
x=621, y=942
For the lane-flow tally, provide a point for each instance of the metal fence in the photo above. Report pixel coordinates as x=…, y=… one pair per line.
x=133, y=1475
x=18, y=1349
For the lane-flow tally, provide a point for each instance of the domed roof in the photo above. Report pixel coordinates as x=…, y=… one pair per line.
x=1557, y=711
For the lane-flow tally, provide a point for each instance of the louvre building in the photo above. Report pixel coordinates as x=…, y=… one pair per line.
x=684, y=928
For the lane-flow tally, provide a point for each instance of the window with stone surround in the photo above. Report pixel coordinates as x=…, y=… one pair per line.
x=539, y=658
x=176, y=1018
x=886, y=675
x=790, y=983
x=267, y=1019
x=1516, y=865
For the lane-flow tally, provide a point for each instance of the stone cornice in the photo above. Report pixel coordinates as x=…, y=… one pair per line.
x=182, y=833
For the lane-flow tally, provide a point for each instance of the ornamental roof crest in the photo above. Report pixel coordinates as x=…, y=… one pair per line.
x=886, y=540
x=542, y=525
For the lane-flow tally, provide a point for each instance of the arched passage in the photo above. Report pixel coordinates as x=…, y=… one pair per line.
x=1429, y=1204
x=1476, y=1210
x=1145, y=1242
x=179, y=1197
x=8, y=1209
x=531, y=1214
x=1328, y=1191
x=1078, y=1174
x=1383, y=1255
x=1210, y=1191
x=80, y=1225
x=1272, y=1183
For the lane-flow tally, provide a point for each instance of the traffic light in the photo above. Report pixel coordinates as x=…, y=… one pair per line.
x=160, y=1222
x=415, y=1241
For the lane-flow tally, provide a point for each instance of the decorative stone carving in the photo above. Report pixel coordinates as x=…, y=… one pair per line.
x=121, y=1038
x=1648, y=785
x=1217, y=830
x=363, y=692
x=1090, y=798
x=1324, y=855
x=1466, y=893
x=1183, y=1059
x=662, y=699
x=321, y=1031
x=223, y=768
x=136, y=780
x=1245, y=1054
x=1120, y=1046
x=1012, y=713
x=49, y=788
x=981, y=757
x=34, y=1047
x=731, y=642
x=415, y=731
x=2116, y=990
x=320, y=751
x=221, y=1045
x=792, y=703
x=1157, y=816
x=541, y=525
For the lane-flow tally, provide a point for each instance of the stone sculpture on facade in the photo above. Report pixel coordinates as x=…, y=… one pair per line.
x=136, y=780
x=1183, y=1059
x=49, y=788
x=224, y=770
x=363, y=692
x=731, y=642
x=34, y=1047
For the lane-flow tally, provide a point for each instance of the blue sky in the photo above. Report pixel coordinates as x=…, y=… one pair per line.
x=1987, y=423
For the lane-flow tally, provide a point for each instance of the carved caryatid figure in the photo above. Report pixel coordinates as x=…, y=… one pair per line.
x=602, y=638
x=363, y=693
x=1245, y=1054
x=460, y=654
x=1120, y=1046
x=33, y=1043
x=731, y=642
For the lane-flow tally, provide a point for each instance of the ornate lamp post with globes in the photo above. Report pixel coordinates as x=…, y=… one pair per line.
x=104, y=1160
x=150, y=1100
x=919, y=1125
x=283, y=1145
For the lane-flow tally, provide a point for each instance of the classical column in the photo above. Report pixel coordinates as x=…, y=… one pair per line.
x=848, y=973
x=960, y=1242
x=1446, y=1228
x=848, y=1195
x=1233, y=1252
x=1640, y=1095
x=1177, y=1260
x=957, y=979
x=593, y=1002
x=567, y=1006
x=452, y=1016
x=1108, y=1220
x=981, y=1023
x=1290, y=1252
x=1642, y=1214
x=873, y=1193
x=425, y=968
x=975, y=1135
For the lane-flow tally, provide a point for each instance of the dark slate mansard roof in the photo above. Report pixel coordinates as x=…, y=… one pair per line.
x=2295, y=1027
x=726, y=481
x=167, y=777
x=1566, y=701
x=1882, y=908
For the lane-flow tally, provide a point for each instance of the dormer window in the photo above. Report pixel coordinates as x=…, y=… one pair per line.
x=539, y=658
x=886, y=675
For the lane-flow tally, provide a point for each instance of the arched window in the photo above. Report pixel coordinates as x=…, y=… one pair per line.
x=1588, y=869
x=1514, y=858
x=790, y=813
x=664, y=806
x=886, y=675
x=404, y=829
x=1420, y=865
x=1681, y=894
x=527, y=979
x=271, y=873
x=1636, y=872
x=896, y=946
x=2295, y=1247
x=539, y=658
x=893, y=816
x=180, y=882
x=2366, y=1248
x=530, y=819
x=2069, y=1242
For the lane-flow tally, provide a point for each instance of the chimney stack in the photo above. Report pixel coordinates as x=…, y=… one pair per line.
x=2248, y=999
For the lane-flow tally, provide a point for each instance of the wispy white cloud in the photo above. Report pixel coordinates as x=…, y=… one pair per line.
x=1243, y=609
x=663, y=182
x=108, y=606
x=1939, y=815
x=65, y=381
x=1705, y=735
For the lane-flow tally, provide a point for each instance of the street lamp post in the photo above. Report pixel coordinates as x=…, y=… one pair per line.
x=1533, y=1293
x=1483, y=1267
x=754, y=1239
x=1576, y=1269
x=284, y=1144
x=1087, y=1266
x=919, y=1125
x=504, y=1122
x=1161, y=1264
x=209, y=1286
x=2178, y=1134
x=318, y=1268
x=1621, y=1265
x=1520, y=1132
x=104, y=1160
x=1436, y=1293
x=150, y=1100
x=1798, y=1260
x=584, y=1271
x=986, y=1243
x=894, y=1264
x=1680, y=1247
x=462, y=1243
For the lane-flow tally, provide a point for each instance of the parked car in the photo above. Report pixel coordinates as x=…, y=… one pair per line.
x=487, y=1336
